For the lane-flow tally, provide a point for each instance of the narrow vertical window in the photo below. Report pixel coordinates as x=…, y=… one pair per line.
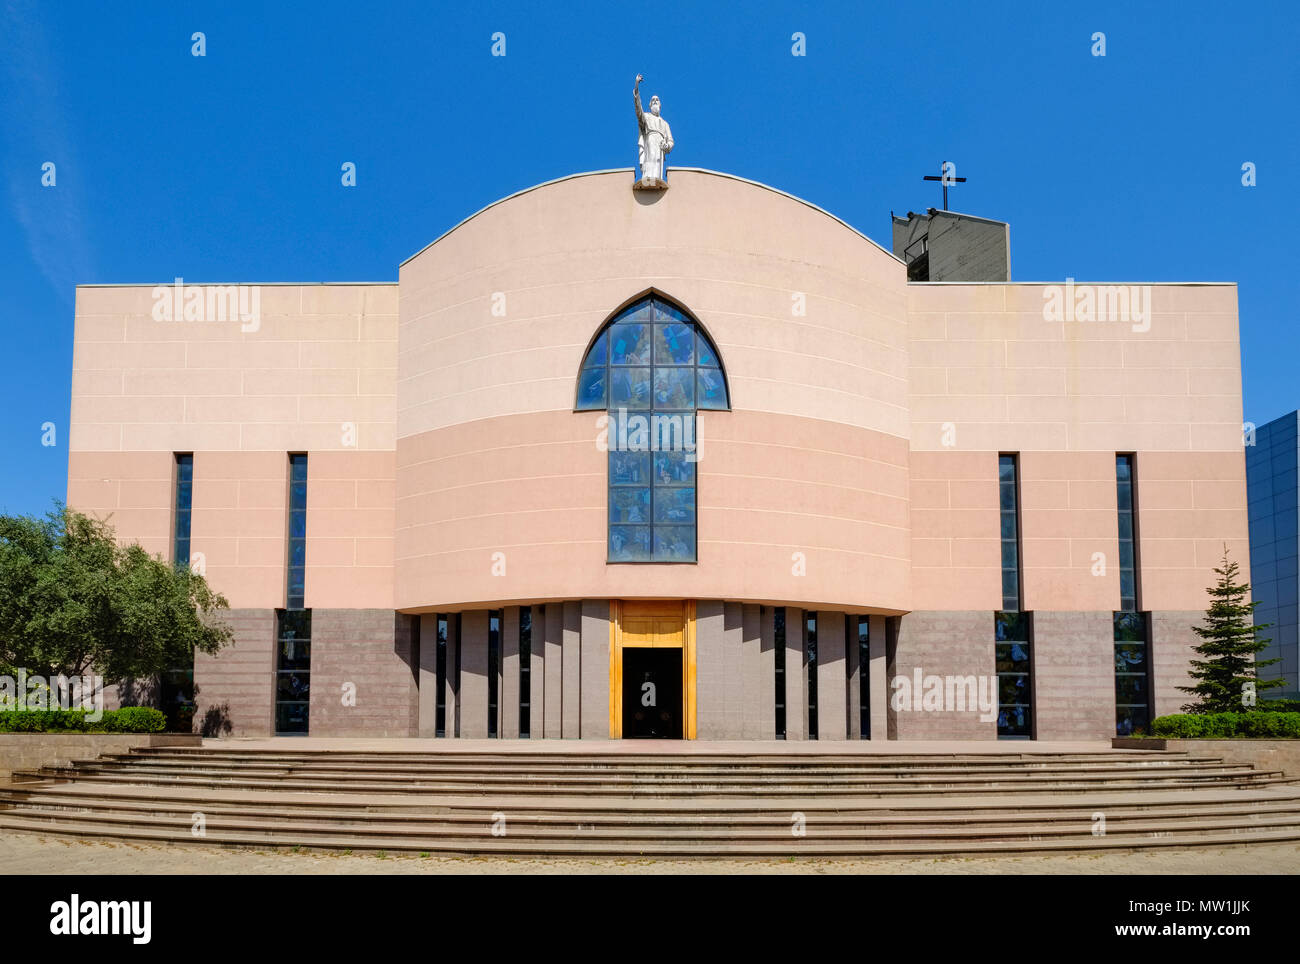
x=176, y=684
x=296, y=592
x=778, y=644
x=1127, y=534
x=864, y=677
x=494, y=669
x=1015, y=674
x=1008, y=505
x=1132, y=674
x=1132, y=639
x=293, y=672
x=1012, y=627
x=184, y=503
x=810, y=653
x=440, y=687
x=525, y=669
x=293, y=630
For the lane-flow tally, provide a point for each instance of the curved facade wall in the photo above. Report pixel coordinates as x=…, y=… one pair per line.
x=803, y=486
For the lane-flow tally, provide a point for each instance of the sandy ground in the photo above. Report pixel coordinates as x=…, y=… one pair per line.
x=26, y=854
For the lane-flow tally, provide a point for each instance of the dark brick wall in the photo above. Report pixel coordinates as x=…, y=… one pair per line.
x=1172, y=642
x=958, y=643
x=1074, y=675
x=234, y=690
x=372, y=650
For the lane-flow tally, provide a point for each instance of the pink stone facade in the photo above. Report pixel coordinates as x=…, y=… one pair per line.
x=856, y=473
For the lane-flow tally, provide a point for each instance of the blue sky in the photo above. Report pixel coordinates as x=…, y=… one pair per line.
x=226, y=168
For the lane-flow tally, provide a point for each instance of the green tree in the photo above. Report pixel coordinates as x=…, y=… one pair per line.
x=1229, y=643
x=74, y=601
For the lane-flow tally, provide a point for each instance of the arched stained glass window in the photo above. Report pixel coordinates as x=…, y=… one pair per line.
x=652, y=368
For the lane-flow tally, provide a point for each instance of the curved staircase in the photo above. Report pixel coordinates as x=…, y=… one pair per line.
x=586, y=802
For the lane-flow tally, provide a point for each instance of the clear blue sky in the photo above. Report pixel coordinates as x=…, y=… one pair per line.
x=226, y=168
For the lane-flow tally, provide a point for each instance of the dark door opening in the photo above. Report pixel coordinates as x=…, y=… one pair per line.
x=652, y=693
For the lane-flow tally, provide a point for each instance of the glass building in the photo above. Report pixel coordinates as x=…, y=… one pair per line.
x=1274, y=506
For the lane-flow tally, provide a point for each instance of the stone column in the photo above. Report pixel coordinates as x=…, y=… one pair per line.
x=710, y=670
x=572, y=682
x=537, y=674
x=474, y=675
x=757, y=670
x=451, y=707
x=428, y=674
x=594, y=721
x=553, y=637
x=832, y=712
x=796, y=676
x=853, y=676
x=877, y=672
x=508, y=695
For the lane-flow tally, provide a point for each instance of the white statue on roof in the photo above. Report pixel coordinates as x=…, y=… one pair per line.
x=654, y=141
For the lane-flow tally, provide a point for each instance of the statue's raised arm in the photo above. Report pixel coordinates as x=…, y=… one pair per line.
x=636, y=100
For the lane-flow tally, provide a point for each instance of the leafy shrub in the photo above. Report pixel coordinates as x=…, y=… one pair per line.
x=135, y=719
x=129, y=719
x=1222, y=726
x=1279, y=706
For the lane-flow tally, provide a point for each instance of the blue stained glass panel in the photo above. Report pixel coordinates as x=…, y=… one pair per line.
x=676, y=506
x=591, y=389
x=674, y=544
x=629, y=468
x=599, y=351
x=674, y=344
x=674, y=389
x=629, y=543
x=629, y=344
x=630, y=388
x=673, y=468
x=629, y=505
x=712, y=393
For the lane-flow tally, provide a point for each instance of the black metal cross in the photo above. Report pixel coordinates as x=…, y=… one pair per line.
x=946, y=178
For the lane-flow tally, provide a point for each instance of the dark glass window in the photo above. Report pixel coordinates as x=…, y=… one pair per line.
x=525, y=668
x=176, y=685
x=184, y=503
x=864, y=676
x=778, y=643
x=1008, y=504
x=1127, y=533
x=296, y=592
x=1011, y=647
x=292, y=671
x=652, y=368
x=1132, y=674
x=810, y=643
x=440, y=668
x=494, y=669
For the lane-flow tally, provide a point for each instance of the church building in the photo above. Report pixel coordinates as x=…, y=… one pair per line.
x=685, y=460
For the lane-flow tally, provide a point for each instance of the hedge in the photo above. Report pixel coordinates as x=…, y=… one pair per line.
x=1224, y=726
x=129, y=719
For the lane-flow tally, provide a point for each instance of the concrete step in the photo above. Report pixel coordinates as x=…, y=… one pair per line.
x=633, y=771
x=759, y=781
x=657, y=804
x=480, y=813
x=729, y=845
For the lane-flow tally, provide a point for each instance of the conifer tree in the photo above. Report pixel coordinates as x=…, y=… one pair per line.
x=1229, y=643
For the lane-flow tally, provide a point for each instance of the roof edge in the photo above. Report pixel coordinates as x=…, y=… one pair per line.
x=632, y=170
